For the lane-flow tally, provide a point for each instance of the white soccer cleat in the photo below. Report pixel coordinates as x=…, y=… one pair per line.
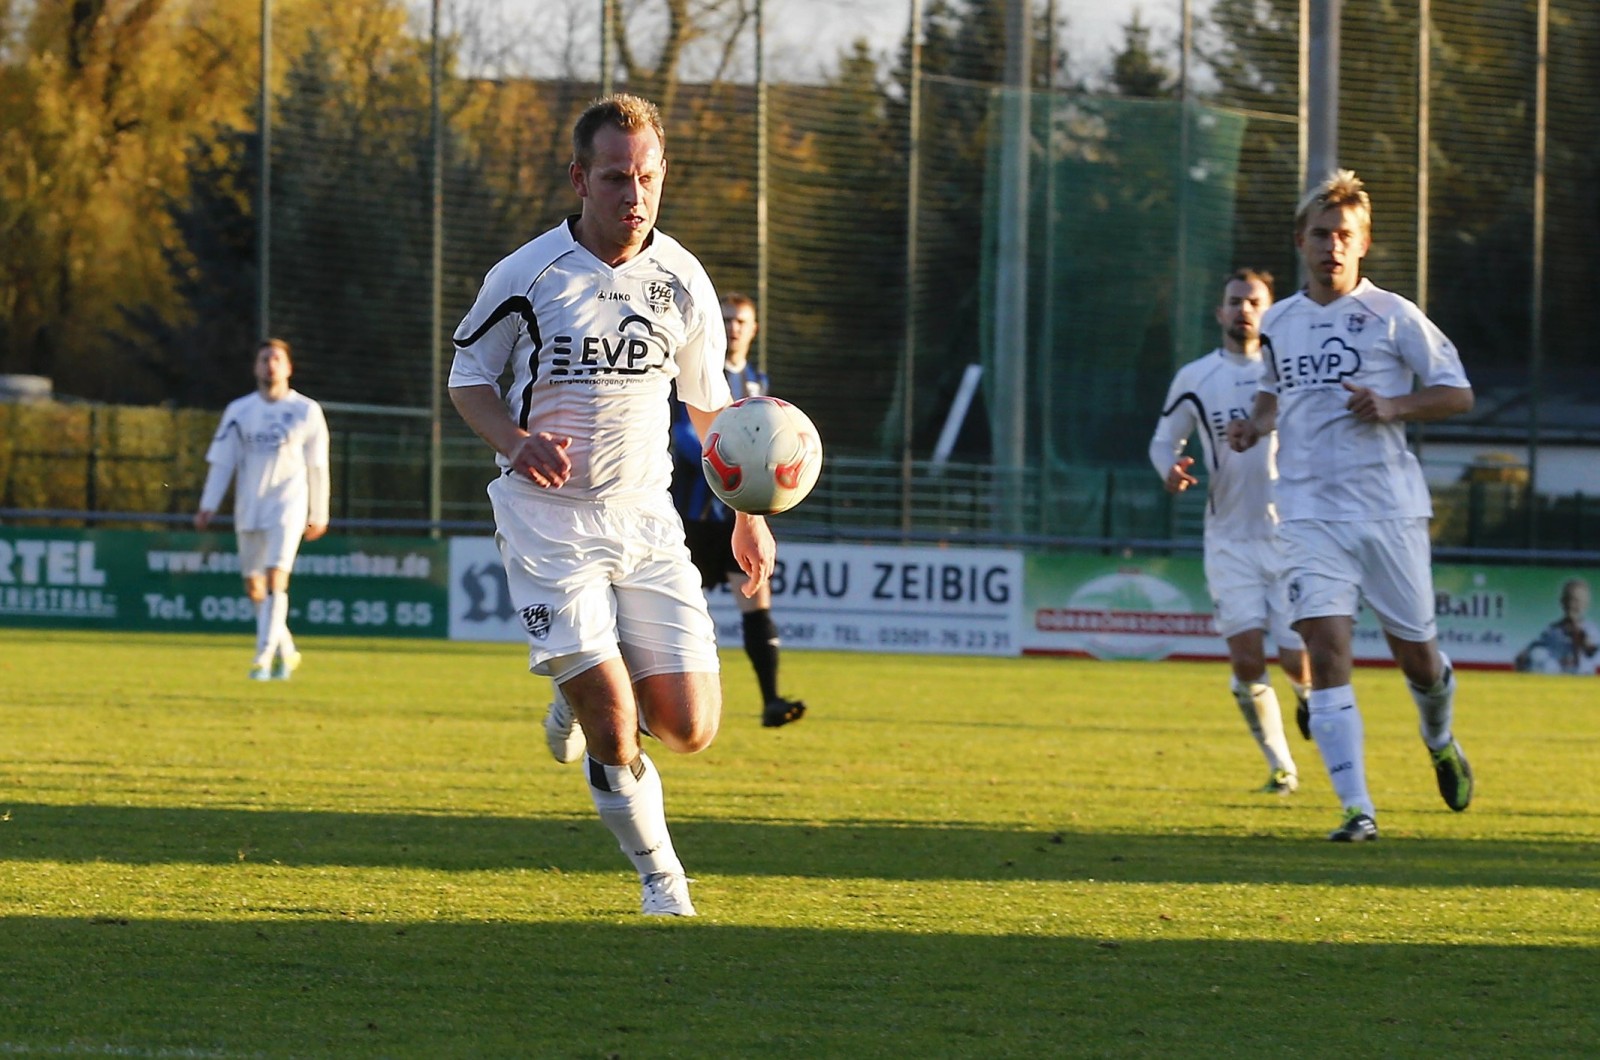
x=563, y=733
x=667, y=894
x=285, y=665
x=260, y=673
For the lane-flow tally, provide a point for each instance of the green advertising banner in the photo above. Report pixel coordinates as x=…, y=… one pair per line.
x=189, y=582
x=1526, y=618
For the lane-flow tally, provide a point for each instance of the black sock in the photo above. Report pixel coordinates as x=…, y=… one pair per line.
x=761, y=644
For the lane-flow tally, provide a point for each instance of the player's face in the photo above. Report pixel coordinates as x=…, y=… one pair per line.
x=272, y=367
x=739, y=321
x=1243, y=302
x=1575, y=601
x=621, y=190
x=1332, y=244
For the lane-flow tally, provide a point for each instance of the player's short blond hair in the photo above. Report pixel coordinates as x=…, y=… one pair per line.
x=739, y=300
x=627, y=112
x=1341, y=189
x=274, y=344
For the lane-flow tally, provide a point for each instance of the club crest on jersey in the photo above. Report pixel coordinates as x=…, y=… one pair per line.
x=658, y=296
x=1354, y=322
x=536, y=620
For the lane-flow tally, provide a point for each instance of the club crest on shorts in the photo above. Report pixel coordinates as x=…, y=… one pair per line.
x=1294, y=590
x=658, y=296
x=536, y=620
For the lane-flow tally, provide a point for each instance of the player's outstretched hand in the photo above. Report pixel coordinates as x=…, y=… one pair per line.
x=1369, y=406
x=1179, y=479
x=543, y=458
x=754, y=550
x=1242, y=434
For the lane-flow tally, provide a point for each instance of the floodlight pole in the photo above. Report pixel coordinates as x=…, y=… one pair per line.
x=762, y=248
x=436, y=292
x=908, y=360
x=1320, y=89
x=264, y=178
x=1011, y=272
x=607, y=75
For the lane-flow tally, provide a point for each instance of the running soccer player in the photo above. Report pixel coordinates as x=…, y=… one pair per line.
x=1343, y=360
x=708, y=529
x=1243, y=563
x=596, y=320
x=273, y=446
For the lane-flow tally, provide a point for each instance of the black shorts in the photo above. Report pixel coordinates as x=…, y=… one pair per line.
x=711, y=547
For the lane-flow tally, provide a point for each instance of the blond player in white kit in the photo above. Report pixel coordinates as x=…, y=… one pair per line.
x=595, y=320
x=1346, y=366
x=1243, y=562
x=273, y=446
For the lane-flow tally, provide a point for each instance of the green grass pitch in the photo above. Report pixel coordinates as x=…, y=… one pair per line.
x=947, y=858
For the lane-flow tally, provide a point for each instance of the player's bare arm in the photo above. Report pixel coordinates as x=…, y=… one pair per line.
x=202, y=519
x=541, y=456
x=1242, y=434
x=1421, y=406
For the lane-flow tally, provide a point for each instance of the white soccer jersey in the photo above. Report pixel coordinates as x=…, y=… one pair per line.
x=270, y=448
x=1205, y=395
x=593, y=352
x=1332, y=466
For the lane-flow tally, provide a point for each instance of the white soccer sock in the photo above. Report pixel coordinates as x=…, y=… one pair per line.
x=631, y=805
x=278, y=605
x=1258, y=702
x=1336, y=726
x=264, y=630
x=1436, y=706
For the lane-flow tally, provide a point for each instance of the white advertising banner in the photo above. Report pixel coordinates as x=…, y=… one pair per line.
x=942, y=601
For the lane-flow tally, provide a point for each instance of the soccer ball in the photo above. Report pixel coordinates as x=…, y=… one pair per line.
x=762, y=455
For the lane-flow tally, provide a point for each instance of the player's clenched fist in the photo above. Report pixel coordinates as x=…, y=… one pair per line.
x=1369, y=406
x=1242, y=434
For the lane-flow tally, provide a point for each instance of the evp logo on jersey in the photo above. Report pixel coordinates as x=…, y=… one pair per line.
x=638, y=349
x=1329, y=365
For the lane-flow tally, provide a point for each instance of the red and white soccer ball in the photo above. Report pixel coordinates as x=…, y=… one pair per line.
x=763, y=455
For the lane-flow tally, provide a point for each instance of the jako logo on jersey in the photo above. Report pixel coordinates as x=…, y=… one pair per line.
x=536, y=620
x=658, y=296
x=1328, y=366
x=638, y=350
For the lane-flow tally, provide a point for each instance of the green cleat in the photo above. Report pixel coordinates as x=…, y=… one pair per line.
x=285, y=665
x=1454, y=773
x=1281, y=782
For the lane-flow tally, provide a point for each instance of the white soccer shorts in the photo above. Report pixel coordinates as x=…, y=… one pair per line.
x=602, y=580
x=1249, y=590
x=1332, y=567
x=264, y=550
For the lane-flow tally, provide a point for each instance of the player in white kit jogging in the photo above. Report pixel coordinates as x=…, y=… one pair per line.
x=595, y=320
x=273, y=446
x=1343, y=360
x=1243, y=562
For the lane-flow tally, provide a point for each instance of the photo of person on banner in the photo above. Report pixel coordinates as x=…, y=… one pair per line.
x=1570, y=644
